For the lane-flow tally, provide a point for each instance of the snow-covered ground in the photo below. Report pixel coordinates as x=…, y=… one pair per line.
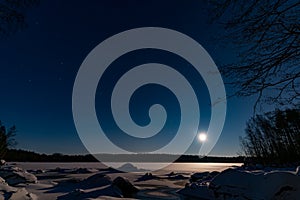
x=75, y=181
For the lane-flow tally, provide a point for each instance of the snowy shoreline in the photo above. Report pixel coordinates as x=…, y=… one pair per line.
x=48, y=182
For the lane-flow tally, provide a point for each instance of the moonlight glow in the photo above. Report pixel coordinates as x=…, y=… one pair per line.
x=202, y=137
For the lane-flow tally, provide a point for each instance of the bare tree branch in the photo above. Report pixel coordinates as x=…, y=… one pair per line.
x=12, y=15
x=267, y=34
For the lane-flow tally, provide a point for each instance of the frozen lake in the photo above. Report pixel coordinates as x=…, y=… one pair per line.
x=179, y=167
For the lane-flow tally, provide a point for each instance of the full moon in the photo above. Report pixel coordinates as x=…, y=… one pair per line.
x=202, y=137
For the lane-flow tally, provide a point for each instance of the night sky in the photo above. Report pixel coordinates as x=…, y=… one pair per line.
x=39, y=66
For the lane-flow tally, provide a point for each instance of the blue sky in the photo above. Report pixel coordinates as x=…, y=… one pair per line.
x=39, y=65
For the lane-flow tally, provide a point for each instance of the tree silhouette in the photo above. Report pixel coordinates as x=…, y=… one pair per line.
x=12, y=15
x=6, y=139
x=273, y=137
x=267, y=34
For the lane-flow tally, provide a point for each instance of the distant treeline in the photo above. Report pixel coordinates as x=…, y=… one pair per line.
x=14, y=155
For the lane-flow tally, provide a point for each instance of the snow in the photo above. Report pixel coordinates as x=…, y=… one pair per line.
x=86, y=183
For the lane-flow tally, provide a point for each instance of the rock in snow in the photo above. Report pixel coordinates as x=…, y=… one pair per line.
x=198, y=176
x=197, y=191
x=147, y=176
x=97, y=180
x=298, y=171
x=234, y=184
x=12, y=193
x=127, y=188
x=15, y=175
x=120, y=188
x=84, y=171
x=128, y=167
x=2, y=162
x=22, y=194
